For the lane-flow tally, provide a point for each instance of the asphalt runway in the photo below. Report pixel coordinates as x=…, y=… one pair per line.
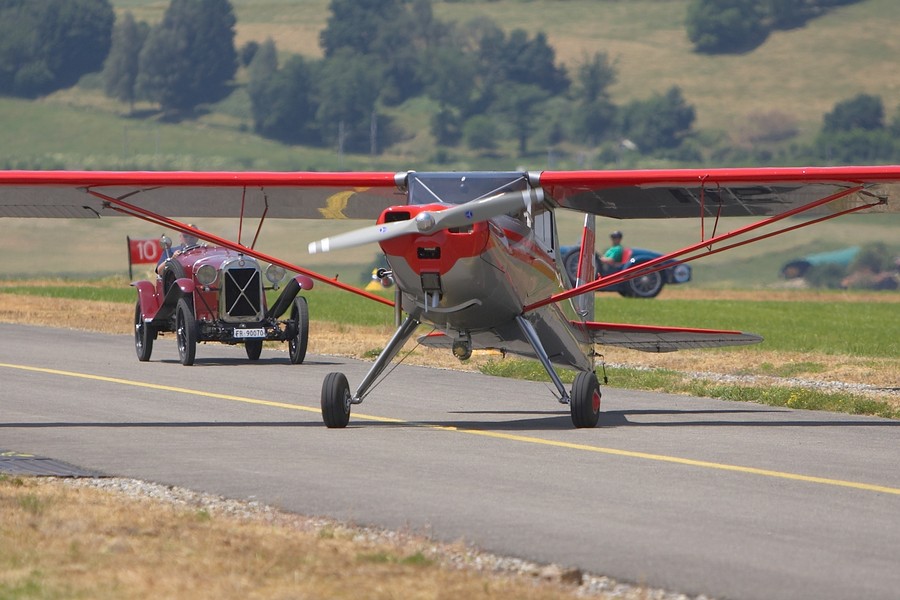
x=692, y=495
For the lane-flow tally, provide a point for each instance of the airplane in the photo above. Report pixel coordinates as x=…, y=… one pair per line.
x=475, y=255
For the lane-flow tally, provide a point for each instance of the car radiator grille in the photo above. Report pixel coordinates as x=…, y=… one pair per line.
x=243, y=293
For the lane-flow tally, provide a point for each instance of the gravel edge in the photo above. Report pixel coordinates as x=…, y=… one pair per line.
x=449, y=556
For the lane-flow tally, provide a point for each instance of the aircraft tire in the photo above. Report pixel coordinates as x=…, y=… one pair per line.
x=585, y=400
x=143, y=334
x=297, y=344
x=253, y=348
x=185, y=332
x=336, y=401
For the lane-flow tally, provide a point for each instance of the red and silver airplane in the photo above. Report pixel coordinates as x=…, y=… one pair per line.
x=475, y=255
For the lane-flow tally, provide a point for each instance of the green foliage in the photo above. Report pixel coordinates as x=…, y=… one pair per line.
x=348, y=87
x=49, y=44
x=864, y=111
x=189, y=57
x=358, y=25
x=595, y=114
x=120, y=71
x=662, y=121
x=725, y=25
x=481, y=133
x=282, y=101
x=737, y=26
x=859, y=146
x=519, y=105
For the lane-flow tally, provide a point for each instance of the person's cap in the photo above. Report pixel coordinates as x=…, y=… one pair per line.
x=615, y=234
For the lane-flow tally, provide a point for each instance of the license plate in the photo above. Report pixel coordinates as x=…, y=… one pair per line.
x=250, y=333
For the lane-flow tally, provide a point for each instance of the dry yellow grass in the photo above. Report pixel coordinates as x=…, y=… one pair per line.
x=60, y=541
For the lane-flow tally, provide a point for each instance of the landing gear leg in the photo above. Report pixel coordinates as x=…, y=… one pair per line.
x=533, y=339
x=584, y=403
x=336, y=398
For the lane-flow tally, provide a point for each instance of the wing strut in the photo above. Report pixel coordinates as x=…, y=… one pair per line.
x=657, y=263
x=145, y=215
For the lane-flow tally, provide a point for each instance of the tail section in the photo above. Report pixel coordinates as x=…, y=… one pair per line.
x=587, y=268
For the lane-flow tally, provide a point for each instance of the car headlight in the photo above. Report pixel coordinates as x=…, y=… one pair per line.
x=275, y=274
x=207, y=275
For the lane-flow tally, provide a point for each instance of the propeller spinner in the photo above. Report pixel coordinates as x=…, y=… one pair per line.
x=427, y=222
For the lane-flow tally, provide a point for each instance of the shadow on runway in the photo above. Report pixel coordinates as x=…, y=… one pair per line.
x=218, y=361
x=539, y=421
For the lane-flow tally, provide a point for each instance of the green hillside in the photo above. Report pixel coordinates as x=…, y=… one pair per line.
x=799, y=74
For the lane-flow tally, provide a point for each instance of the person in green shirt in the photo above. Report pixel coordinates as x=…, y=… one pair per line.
x=612, y=258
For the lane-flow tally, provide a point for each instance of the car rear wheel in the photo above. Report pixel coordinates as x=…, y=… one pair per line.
x=185, y=332
x=644, y=286
x=253, y=348
x=143, y=334
x=300, y=318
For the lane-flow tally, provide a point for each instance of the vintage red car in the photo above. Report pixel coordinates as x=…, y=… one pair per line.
x=205, y=293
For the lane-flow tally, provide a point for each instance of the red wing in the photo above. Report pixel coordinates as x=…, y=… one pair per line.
x=679, y=193
x=651, y=338
x=85, y=194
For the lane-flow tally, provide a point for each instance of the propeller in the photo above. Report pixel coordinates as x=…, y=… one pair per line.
x=427, y=222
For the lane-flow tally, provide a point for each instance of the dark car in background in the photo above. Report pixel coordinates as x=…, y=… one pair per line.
x=643, y=286
x=209, y=294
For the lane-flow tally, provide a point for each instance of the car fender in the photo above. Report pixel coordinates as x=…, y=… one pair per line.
x=182, y=287
x=290, y=291
x=146, y=293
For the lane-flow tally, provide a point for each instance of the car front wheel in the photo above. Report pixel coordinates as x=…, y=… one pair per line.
x=185, y=332
x=143, y=334
x=300, y=318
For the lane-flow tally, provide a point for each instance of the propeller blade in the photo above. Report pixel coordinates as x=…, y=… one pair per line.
x=427, y=222
x=366, y=235
x=481, y=210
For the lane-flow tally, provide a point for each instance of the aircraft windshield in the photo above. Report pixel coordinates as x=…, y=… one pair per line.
x=457, y=188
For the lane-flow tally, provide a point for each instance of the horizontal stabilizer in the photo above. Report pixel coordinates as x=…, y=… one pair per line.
x=652, y=338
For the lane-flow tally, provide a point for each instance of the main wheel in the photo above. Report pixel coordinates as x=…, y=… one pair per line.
x=297, y=344
x=143, y=334
x=585, y=400
x=336, y=401
x=645, y=286
x=185, y=332
x=253, y=348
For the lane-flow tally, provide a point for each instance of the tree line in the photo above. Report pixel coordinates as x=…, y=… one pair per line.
x=488, y=87
x=736, y=26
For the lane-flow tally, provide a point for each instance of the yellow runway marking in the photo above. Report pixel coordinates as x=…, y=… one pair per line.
x=491, y=434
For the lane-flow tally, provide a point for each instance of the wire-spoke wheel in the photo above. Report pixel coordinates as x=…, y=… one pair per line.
x=299, y=318
x=143, y=334
x=185, y=332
